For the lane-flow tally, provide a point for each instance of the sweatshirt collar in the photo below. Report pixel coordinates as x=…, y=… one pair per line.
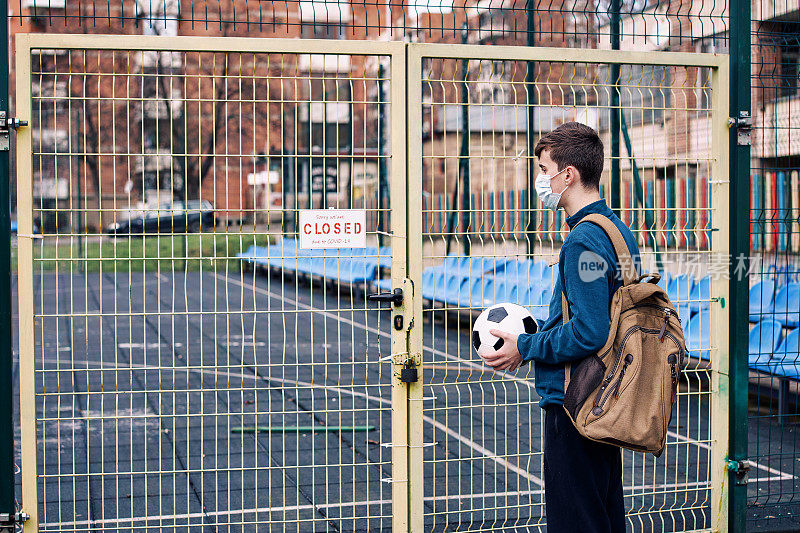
x=595, y=207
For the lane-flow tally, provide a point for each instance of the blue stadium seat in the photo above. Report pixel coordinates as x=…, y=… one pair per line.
x=512, y=269
x=462, y=297
x=517, y=292
x=319, y=265
x=762, y=299
x=485, y=292
x=698, y=335
x=428, y=278
x=299, y=264
x=540, y=298
x=480, y=265
x=384, y=284
x=383, y=254
x=764, y=339
x=680, y=288
x=665, y=280
x=537, y=269
x=452, y=290
x=500, y=291
x=771, y=269
x=436, y=291
x=479, y=289
x=786, y=358
x=248, y=255
x=787, y=305
x=452, y=263
x=468, y=298
x=360, y=271
x=451, y=287
x=550, y=273
x=684, y=313
x=701, y=295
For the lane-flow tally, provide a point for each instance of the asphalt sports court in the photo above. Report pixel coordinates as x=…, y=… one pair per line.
x=151, y=388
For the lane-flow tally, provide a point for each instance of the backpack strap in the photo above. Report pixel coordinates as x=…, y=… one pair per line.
x=624, y=259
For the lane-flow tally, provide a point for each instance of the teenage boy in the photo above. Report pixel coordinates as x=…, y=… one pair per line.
x=583, y=479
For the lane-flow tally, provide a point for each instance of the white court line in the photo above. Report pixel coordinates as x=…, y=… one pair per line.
x=78, y=288
x=312, y=507
x=464, y=440
x=472, y=444
x=778, y=475
x=505, y=375
x=782, y=476
x=525, y=382
x=438, y=425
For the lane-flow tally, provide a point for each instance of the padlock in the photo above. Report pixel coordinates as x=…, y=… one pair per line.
x=408, y=374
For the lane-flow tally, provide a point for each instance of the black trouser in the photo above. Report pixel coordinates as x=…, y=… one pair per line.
x=582, y=480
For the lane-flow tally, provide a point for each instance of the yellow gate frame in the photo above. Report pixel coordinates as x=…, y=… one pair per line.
x=719, y=65
x=406, y=228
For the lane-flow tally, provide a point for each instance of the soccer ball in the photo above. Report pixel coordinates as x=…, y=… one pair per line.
x=508, y=317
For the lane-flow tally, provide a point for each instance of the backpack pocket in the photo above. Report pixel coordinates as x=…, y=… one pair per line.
x=584, y=377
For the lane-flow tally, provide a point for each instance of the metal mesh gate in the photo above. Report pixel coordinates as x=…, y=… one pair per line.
x=185, y=363
x=485, y=239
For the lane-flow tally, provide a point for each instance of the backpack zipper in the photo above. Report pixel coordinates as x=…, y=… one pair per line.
x=602, y=396
x=674, y=374
x=597, y=407
x=661, y=307
x=667, y=313
x=615, y=387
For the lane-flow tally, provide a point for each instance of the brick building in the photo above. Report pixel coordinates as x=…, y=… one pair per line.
x=119, y=131
x=181, y=124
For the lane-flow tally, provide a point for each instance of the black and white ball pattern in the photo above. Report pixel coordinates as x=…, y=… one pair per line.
x=508, y=317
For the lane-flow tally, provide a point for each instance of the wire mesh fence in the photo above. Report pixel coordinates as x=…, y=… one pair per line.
x=573, y=23
x=774, y=304
x=85, y=175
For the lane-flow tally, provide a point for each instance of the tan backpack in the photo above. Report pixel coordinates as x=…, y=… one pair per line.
x=623, y=394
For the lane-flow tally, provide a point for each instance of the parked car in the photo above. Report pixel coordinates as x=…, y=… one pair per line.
x=172, y=217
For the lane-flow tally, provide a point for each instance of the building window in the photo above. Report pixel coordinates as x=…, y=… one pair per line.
x=323, y=30
x=644, y=94
x=716, y=44
x=789, y=56
x=492, y=24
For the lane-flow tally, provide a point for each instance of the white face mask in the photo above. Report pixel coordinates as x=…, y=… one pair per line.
x=545, y=193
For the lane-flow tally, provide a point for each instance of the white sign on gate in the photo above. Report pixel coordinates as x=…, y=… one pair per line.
x=333, y=228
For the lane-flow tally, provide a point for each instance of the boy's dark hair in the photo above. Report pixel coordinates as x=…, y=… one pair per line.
x=577, y=145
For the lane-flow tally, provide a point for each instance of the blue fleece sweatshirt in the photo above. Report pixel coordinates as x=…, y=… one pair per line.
x=587, y=267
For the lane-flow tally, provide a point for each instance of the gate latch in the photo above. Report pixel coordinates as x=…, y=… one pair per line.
x=6, y=125
x=395, y=297
x=744, y=126
x=741, y=469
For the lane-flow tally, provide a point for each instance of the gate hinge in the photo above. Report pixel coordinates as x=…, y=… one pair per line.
x=8, y=520
x=6, y=125
x=744, y=126
x=740, y=469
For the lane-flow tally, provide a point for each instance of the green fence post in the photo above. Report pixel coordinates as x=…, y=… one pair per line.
x=740, y=248
x=465, y=140
x=615, y=110
x=382, y=168
x=530, y=77
x=6, y=358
